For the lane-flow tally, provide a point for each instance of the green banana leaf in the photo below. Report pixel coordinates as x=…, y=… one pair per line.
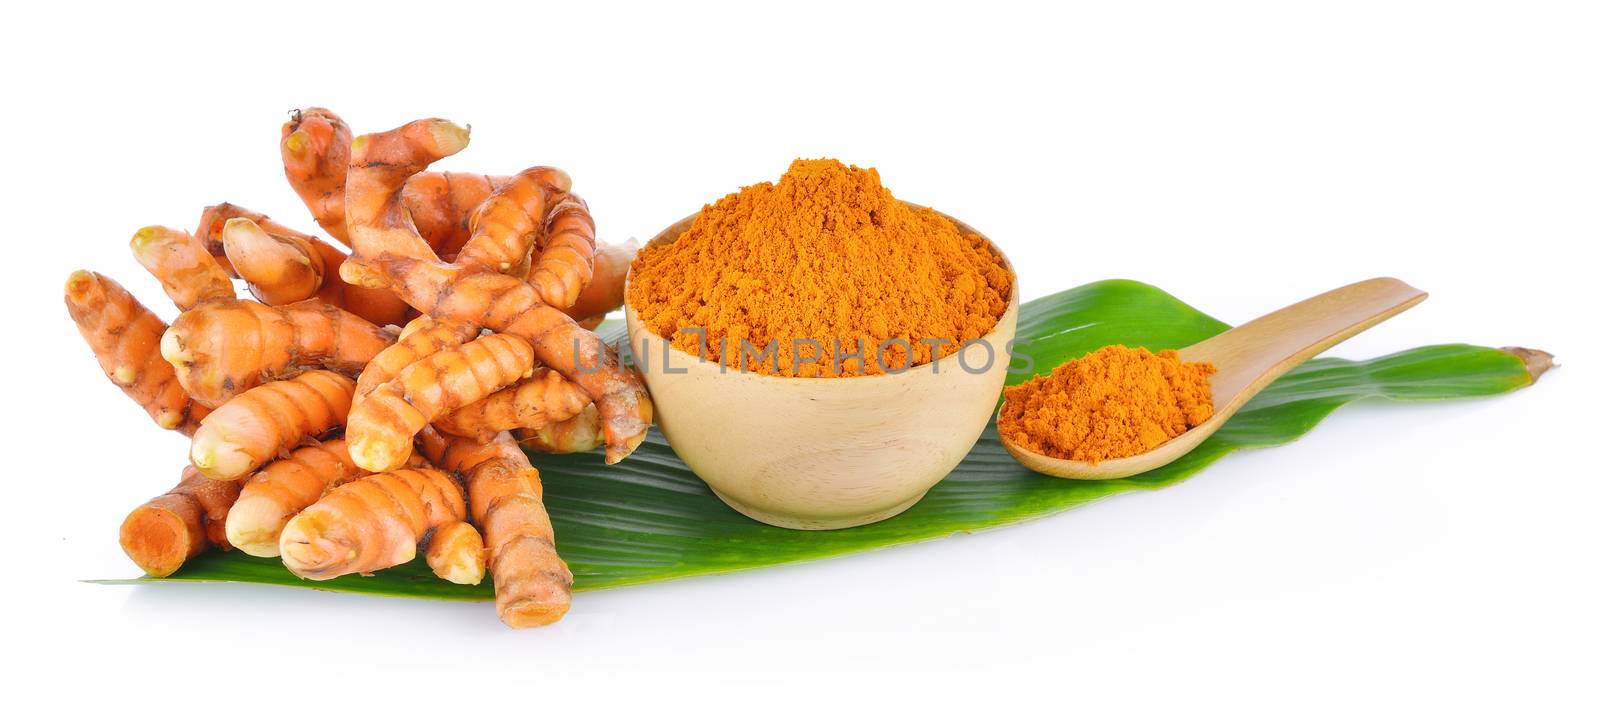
x=650, y=519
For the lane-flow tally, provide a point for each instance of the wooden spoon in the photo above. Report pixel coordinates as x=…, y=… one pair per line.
x=1248, y=358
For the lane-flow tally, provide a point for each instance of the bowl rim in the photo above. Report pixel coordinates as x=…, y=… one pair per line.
x=631, y=321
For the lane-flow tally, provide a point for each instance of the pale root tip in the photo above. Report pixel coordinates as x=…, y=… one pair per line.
x=240, y=226
x=216, y=458
x=296, y=143
x=526, y=614
x=156, y=540
x=297, y=548
x=615, y=454
x=169, y=419
x=561, y=180
x=456, y=554
x=358, y=273
x=79, y=283
x=151, y=236
x=448, y=136
x=461, y=573
x=254, y=525
x=373, y=455
x=172, y=349
x=308, y=553
x=245, y=243
x=143, y=238
x=124, y=375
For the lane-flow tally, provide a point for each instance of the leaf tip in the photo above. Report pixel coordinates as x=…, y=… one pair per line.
x=1537, y=361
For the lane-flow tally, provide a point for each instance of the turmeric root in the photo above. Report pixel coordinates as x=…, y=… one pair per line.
x=284, y=487
x=508, y=224
x=370, y=524
x=316, y=156
x=566, y=256
x=575, y=435
x=379, y=164
x=604, y=291
x=263, y=422
x=421, y=337
x=455, y=553
x=160, y=535
x=512, y=308
x=316, y=153
x=126, y=339
x=543, y=399
x=383, y=422
x=213, y=219
x=315, y=145
x=532, y=586
x=442, y=204
x=226, y=347
x=280, y=270
x=280, y=262
x=186, y=270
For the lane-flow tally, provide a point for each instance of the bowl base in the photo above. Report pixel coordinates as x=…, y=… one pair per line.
x=788, y=521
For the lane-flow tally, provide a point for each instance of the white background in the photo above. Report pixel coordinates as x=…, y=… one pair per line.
x=1242, y=156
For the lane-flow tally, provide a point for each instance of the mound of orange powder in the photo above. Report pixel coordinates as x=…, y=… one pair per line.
x=1113, y=403
x=825, y=254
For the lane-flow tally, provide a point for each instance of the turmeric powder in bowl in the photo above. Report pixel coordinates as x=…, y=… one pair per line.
x=1113, y=403
x=827, y=260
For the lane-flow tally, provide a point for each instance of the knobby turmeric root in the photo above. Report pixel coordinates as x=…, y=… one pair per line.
x=315, y=145
x=279, y=269
x=126, y=339
x=566, y=257
x=508, y=224
x=284, y=487
x=383, y=421
x=511, y=307
x=370, y=524
x=263, y=422
x=420, y=338
x=384, y=241
x=442, y=203
x=545, y=398
x=215, y=217
x=532, y=585
x=162, y=534
x=604, y=291
x=227, y=347
x=576, y=435
x=316, y=155
x=181, y=263
x=316, y=152
x=282, y=266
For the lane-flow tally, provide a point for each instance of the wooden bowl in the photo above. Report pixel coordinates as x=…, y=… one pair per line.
x=821, y=453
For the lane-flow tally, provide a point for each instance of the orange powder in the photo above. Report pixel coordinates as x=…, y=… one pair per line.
x=1112, y=403
x=826, y=254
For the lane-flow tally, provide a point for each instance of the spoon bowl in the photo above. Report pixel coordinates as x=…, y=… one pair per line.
x=1248, y=358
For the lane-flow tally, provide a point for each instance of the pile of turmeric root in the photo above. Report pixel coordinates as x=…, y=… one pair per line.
x=369, y=405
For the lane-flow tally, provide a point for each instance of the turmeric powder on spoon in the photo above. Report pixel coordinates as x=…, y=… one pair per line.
x=826, y=254
x=1113, y=403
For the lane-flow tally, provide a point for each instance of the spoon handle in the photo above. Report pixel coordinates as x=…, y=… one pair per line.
x=1255, y=353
